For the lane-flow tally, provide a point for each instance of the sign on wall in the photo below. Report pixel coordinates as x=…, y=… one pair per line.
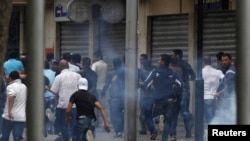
x=60, y=10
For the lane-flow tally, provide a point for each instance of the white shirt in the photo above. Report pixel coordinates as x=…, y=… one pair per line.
x=65, y=84
x=212, y=78
x=101, y=69
x=19, y=90
x=73, y=67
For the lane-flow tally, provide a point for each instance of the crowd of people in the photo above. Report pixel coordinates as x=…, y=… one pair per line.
x=77, y=90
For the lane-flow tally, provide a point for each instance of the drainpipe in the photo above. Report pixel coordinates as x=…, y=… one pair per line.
x=243, y=51
x=131, y=71
x=199, y=82
x=35, y=82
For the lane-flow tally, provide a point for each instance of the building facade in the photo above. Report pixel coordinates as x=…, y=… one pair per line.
x=163, y=25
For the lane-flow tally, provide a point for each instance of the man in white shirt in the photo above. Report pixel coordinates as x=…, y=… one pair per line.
x=212, y=79
x=14, y=115
x=101, y=69
x=65, y=84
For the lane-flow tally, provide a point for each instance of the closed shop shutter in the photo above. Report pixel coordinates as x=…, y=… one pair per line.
x=167, y=33
x=219, y=33
x=75, y=38
x=112, y=41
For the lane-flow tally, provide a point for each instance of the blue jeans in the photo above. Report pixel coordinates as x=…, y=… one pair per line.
x=16, y=127
x=167, y=120
x=209, y=109
x=116, y=114
x=146, y=109
x=65, y=127
x=184, y=109
x=81, y=127
x=174, y=119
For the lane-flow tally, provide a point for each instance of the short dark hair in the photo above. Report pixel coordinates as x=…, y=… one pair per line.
x=228, y=55
x=98, y=54
x=76, y=58
x=144, y=56
x=14, y=75
x=117, y=62
x=67, y=56
x=165, y=58
x=178, y=52
x=86, y=61
x=219, y=55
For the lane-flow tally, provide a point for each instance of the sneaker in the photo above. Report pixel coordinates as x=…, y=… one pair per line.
x=89, y=136
x=161, y=123
x=118, y=135
x=173, y=138
x=142, y=132
x=153, y=136
x=49, y=114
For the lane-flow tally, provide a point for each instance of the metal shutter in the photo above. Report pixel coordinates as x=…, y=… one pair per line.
x=219, y=33
x=112, y=41
x=167, y=33
x=75, y=38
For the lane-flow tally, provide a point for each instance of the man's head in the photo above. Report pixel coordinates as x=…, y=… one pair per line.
x=226, y=60
x=218, y=57
x=143, y=57
x=83, y=84
x=206, y=60
x=13, y=76
x=97, y=56
x=178, y=53
x=54, y=65
x=164, y=60
x=63, y=64
x=117, y=62
x=86, y=62
x=67, y=56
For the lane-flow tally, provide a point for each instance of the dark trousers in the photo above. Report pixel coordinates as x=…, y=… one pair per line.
x=65, y=127
x=146, y=109
x=116, y=106
x=16, y=127
x=168, y=115
x=81, y=127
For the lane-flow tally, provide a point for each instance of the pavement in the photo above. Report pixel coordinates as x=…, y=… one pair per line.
x=101, y=135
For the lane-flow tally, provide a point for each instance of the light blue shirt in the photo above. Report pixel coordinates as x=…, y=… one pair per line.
x=51, y=76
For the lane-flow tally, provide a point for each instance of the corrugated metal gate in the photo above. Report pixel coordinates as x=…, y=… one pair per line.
x=75, y=38
x=167, y=33
x=112, y=41
x=219, y=33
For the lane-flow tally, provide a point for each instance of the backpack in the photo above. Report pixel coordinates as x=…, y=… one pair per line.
x=167, y=85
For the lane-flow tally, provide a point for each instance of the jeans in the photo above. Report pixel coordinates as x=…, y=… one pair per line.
x=116, y=106
x=209, y=109
x=65, y=127
x=146, y=108
x=81, y=127
x=184, y=109
x=16, y=127
x=49, y=103
x=167, y=121
x=174, y=119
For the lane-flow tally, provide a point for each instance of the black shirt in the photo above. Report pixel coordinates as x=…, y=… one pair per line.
x=85, y=103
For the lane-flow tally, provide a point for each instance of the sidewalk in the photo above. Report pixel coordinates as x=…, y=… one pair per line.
x=101, y=135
